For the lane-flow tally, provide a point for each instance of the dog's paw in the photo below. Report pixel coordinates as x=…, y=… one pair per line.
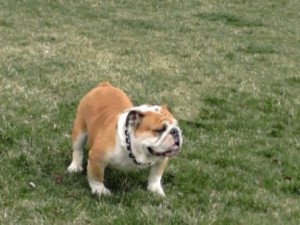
x=156, y=188
x=74, y=168
x=99, y=189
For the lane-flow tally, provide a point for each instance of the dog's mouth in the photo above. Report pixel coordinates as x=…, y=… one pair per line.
x=170, y=152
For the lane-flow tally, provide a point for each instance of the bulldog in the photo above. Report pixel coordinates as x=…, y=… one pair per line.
x=122, y=136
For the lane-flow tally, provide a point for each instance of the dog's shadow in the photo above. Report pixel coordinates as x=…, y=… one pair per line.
x=125, y=182
x=120, y=182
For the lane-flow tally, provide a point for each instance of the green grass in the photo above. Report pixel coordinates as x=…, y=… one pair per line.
x=229, y=70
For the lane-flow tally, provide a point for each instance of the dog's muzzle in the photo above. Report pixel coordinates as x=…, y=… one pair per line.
x=173, y=150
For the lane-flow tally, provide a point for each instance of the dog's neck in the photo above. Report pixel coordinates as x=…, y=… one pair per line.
x=128, y=142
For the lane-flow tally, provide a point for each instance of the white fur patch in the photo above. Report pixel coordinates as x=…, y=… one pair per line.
x=75, y=167
x=98, y=188
x=77, y=156
x=155, y=186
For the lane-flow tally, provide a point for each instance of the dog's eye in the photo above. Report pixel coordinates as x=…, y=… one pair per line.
x=161, y=130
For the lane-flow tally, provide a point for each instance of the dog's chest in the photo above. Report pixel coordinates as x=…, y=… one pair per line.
x=120, y=160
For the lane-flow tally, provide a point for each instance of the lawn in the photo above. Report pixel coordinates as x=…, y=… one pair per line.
x=229, y=71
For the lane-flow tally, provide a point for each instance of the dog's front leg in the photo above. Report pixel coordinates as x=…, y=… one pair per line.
x=154, y=180
x=95, y=172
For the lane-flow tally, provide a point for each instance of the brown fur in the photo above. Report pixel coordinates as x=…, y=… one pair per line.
x=97, y=117
x=93, y=118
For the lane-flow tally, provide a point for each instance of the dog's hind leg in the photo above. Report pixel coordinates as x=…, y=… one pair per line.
x=95, y=172
x=79, y=137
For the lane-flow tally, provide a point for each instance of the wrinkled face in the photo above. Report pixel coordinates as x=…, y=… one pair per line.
x=156, y=132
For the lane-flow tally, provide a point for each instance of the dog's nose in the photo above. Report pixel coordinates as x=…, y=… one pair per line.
x=174, y=131
x=176, y=135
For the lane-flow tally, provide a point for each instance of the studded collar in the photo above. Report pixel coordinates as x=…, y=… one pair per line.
x=128, y=142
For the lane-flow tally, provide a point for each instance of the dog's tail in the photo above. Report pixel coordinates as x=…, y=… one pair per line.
x=104, y=84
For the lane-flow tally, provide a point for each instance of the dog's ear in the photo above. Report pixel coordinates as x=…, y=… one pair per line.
x=164, y=106
x=167, y=108
x=135, y=117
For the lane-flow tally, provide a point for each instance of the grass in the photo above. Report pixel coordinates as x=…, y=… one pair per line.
x=229, y=70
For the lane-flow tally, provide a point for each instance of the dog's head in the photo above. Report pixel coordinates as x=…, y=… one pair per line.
x=155, y=131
